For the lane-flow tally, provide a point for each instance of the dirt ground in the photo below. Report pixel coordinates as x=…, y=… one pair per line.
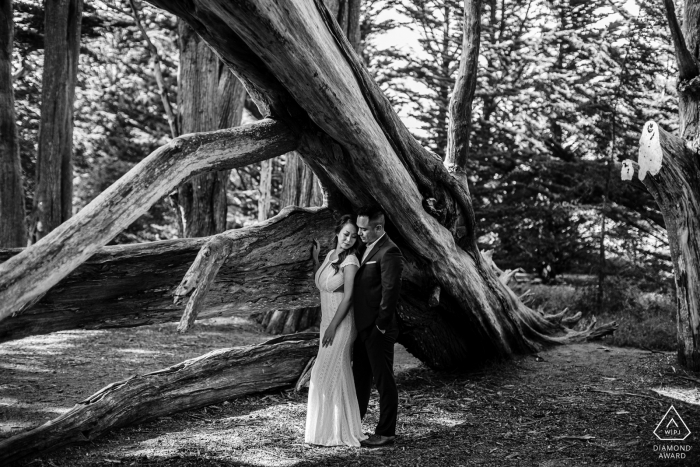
x=584, y=404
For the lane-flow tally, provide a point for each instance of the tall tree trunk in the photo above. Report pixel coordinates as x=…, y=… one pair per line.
x=669, y=167
x=53, y=197
x=265, y=190
x=209, y=98
x=300, y=186
x=460, y=110
x=13, y=232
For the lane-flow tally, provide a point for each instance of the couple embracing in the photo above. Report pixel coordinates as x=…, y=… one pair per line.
x=359, y=282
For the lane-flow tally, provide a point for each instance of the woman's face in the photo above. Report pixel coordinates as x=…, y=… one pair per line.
x=347, y=236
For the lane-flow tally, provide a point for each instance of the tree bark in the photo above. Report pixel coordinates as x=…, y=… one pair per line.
x=53, y=196
x=213, y=378
x=460, y=109
x=265, y=190
x=13, y=232
x=671, y=172
x=674, y=179
x=26, y=277
x=133, y=285
x=300, y=186
x=209, y=98
x=200, y=277
x=463, y=94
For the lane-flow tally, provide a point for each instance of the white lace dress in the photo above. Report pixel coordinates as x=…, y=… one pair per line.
x=333, y=414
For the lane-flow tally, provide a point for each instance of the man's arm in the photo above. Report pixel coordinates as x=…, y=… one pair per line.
x=391, y=267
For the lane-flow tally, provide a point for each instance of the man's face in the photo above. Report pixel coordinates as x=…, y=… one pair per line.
x=368, y=231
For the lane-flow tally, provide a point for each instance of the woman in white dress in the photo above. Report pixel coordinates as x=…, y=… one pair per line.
x=333, y=414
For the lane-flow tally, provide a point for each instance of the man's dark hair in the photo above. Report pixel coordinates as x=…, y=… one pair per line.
x=375, y=214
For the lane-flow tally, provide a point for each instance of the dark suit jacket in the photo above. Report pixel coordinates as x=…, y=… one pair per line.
x=377, y=286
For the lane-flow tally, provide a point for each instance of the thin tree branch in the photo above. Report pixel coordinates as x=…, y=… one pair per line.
x=465, y=87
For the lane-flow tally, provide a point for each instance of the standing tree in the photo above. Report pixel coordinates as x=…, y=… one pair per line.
x=13, y=232
x=53, y=197
x=669, y=166
x=209, y=98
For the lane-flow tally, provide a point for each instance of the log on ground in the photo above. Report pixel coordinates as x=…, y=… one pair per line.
x=210, y=379
x=132, y=285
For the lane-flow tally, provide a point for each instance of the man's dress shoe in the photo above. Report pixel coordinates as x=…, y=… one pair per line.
x=376, y=441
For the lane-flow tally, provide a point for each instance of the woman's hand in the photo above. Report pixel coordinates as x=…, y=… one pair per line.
x=315, y=249
x=328, y=336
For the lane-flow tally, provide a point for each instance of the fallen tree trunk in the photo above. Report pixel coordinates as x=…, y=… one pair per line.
x=315, y=73
x=213, y=378
x=671, y=172
x=25, y=277
x=269, y=268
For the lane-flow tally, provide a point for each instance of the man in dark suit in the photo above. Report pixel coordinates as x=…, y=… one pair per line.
x=375, y=296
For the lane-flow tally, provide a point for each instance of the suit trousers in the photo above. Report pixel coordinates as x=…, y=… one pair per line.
x=373, y=360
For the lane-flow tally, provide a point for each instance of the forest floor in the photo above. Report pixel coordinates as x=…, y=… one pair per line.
x=583, y=404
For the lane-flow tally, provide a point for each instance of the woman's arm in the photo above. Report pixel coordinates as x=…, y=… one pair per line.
x=349, y=272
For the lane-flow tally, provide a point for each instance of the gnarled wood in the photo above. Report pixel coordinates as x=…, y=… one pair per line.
x=132, y=285
x=671, y=172
x=26, y=277
x=210, y=379
x=199, y=278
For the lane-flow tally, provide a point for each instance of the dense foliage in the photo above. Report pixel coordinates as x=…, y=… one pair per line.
x=563, y=89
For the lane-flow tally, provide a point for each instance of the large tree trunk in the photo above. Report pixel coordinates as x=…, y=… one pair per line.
x=53, y=196
x=671, y=172
x=132, y=285
x=26, y=277
x=670, y=168
x=209, y=98
x=300, y=186
x=213, y=378
x=13, y=232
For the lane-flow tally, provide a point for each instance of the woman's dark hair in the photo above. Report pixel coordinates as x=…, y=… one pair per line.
x=345, y=219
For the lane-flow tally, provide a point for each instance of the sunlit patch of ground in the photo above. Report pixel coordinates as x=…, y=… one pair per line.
x=44, y=376
x=574, y=405
x=687, y=395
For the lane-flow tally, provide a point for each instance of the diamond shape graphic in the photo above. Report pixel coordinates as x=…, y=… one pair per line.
x=672, y=427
